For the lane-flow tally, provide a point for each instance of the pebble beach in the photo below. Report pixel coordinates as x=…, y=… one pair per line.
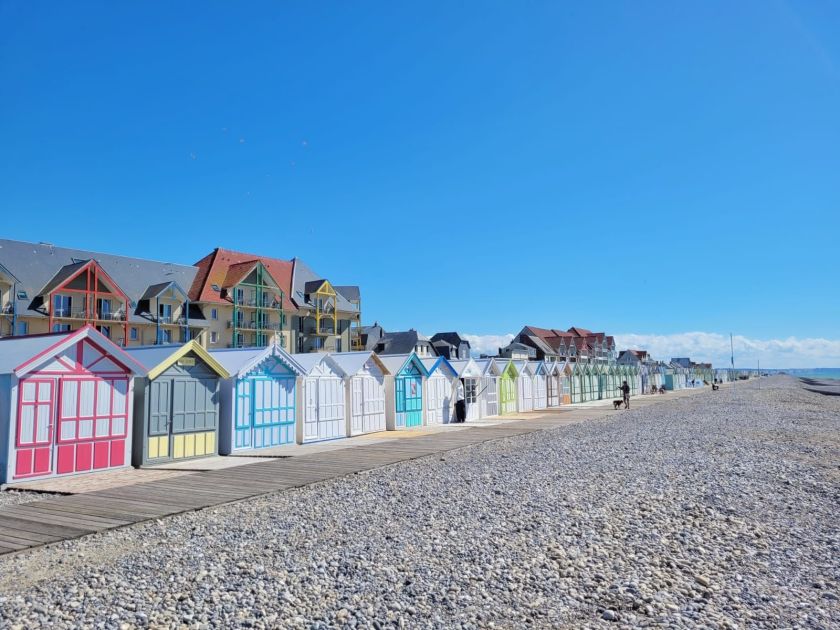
x=719, y=510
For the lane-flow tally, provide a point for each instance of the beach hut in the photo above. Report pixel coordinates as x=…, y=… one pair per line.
x=636, y=383
x=440, y=390
x=404, y=407
x=65, y=405
x=258, y=401
x=488, y=399
x=470, y=375
x=564, y=371
x=508, y=387
x=552, y=370
x=576, y=380
x=364, y=377
x=322, y=412
x=540, y=391
x=526, y=394
x=590, y=383
x=176, y=403
x=603, y=377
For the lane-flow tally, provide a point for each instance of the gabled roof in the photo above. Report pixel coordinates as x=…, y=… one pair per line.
x=21, y=355
x=352, y=362
x=450, y=337
x=351, y=292
x=154, y=290
x=302, y=276
x=401, y=342
x=36, y=265
x=439, y=363
x=396, y=362
x=158, y=359
x=240, y=361
x=213, y=269
x=63, y=275
x=466, y=368
x=488, y=366
x=311, y=360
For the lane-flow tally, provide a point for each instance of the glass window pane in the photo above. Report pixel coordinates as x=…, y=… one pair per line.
x=86, y=398
x=68, y=430
x=85, y=429
x=27, y=424
x=69, y=398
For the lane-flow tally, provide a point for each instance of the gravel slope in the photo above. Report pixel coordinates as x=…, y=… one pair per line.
x=719, y=510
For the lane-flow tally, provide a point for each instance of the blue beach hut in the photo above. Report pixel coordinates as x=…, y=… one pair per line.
x=258, y=402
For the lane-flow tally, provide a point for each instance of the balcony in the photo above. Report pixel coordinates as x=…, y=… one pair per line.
x=258, y=303
x=255, y=325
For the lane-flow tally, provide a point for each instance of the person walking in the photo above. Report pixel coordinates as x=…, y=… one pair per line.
x=460, y=403
x=625, y=394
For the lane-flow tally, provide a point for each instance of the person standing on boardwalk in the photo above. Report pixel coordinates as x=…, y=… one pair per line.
x=460, y=403
x=625, y=394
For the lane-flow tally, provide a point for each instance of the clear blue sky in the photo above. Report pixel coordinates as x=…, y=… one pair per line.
x=633, y=167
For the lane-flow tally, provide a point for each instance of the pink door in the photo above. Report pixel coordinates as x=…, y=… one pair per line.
x=92, y=424
x=36, y=410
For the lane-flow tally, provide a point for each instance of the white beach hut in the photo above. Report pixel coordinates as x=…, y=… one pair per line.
x=540, y=371
x=364, y=376
x=440, y=390
x=488, y=399
x=525, y=384
x=470, y=374
x=322, y=412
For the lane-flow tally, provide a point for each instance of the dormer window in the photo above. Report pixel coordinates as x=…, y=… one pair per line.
x=21, y=295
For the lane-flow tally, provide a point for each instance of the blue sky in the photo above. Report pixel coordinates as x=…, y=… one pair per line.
x=644, y=168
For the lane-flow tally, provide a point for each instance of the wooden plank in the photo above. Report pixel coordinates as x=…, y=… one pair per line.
x=65, y=517
x=35, y=526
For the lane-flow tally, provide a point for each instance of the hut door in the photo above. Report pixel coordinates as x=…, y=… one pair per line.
x=409, y=400
x=92, y=424
x=491, y=397
x=36, y=410
x=272, y=411
x=438, y=402
x=368, y=400
x=195, y=417
x=324, y=409
x=160, y=406
x=527, y=392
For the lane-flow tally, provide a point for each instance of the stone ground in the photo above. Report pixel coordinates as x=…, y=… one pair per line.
x=717, y=510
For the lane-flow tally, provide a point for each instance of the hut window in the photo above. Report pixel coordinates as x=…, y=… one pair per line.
x=21, y=295
x=214, y=313
x=133, y=334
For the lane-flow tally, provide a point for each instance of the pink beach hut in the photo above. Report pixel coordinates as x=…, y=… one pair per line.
x=65, y=405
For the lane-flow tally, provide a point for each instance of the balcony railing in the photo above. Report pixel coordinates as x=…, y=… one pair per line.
x=254, y=325
x=82, y=314
x=258, y=303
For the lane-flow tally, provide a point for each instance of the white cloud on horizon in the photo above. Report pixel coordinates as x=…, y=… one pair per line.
x=792, y=352
x=487, y=344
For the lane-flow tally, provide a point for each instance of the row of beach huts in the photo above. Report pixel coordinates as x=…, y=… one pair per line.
x=75, y=402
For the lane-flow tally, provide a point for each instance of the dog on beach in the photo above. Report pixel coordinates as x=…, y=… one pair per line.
x=617, y=404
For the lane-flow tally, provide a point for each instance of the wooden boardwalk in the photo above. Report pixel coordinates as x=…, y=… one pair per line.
x=64, y=517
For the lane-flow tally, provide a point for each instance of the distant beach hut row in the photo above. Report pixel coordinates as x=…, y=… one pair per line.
x=76, y=402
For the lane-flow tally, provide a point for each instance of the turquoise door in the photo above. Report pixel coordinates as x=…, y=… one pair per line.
x=409, y=397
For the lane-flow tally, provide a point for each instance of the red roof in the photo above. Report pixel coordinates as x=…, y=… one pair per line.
x=222, y=266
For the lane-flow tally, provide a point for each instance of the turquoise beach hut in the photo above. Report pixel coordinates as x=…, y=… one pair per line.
x=404, y=399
